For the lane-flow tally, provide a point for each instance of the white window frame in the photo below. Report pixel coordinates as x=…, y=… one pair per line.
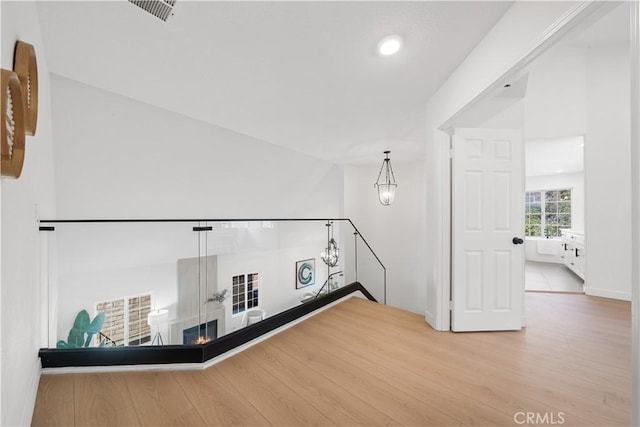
x=126, y=336
x=245, y=294
x=543, y=209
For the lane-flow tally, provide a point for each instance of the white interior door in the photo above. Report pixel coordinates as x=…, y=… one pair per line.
x=487, y=230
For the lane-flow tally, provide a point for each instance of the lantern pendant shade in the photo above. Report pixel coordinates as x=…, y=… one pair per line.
x=386, y=183
x=331, y=254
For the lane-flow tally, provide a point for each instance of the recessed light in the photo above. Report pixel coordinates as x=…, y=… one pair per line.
x=390, y=45
x=559, y=170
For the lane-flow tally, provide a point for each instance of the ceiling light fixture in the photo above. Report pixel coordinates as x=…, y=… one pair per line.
x=390, y=45
x=331, y=254
x=386, y=188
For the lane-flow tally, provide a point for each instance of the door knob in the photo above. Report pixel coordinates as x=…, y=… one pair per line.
x=517, y=241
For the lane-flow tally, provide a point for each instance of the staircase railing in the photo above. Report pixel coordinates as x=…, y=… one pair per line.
x=192, y=281
x=108, y=342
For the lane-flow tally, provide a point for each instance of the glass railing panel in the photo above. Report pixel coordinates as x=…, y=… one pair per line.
x=275, y=266
x=371, y=273
x=124, y=270
x=348, y=264
x=188, y=282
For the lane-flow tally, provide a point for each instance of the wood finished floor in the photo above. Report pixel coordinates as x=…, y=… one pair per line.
x=361, y=363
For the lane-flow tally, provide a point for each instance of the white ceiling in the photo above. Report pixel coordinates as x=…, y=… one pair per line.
x=554, y=156
x=302, y=75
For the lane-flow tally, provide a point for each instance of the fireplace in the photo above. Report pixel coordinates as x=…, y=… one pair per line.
x=200, y=334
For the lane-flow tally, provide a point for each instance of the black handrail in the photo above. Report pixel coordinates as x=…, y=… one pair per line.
x=326, y=281
x=194, y=353
x=366, y=243
x=118, y=220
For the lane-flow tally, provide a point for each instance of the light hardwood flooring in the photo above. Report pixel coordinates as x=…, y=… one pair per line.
x=368, y=364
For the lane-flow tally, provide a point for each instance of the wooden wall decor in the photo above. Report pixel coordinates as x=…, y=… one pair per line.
x=26, y=67
x=12, y=122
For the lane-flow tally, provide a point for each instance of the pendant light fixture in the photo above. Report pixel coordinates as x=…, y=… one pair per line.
x=387, y=187
x=331, y=252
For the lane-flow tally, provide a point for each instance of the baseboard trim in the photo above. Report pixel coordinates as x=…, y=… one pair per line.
x=32, y=393
x=431, y=320
x=606, y=293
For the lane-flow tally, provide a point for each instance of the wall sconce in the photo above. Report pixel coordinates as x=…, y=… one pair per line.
x=386, y=188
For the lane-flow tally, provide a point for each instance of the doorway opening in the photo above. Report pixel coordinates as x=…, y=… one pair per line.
x=625, y=246
x=554, y=215
x=576, y=92
x=577, y=144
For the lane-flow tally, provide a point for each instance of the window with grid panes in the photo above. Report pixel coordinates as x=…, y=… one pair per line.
x=139, y=330
x=114, y=320
x=547, y=212
x=126, y=320
x=252, y=290
x=245, y=292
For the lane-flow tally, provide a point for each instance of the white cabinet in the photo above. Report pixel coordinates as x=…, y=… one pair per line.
x=572, y=251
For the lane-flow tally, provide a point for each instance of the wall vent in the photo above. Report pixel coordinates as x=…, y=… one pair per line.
x=159, y=8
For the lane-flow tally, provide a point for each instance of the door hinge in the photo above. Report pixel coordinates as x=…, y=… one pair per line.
x=451, y=154
x=450, y=305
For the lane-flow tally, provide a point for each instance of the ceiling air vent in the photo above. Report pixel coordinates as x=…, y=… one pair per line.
x=158, y=8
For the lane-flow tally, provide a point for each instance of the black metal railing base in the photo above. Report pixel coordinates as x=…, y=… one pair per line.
x=154, y=355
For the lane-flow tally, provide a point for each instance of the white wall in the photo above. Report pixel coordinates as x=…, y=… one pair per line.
x=23, y=200
x=635, y=216
x=575, y=181
x=555, y=103
x=556, y=99
x=397, y=232
x=276, y=273
x=510, y=118
x=510, y=39
x=608, y=174
x=116, y=157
